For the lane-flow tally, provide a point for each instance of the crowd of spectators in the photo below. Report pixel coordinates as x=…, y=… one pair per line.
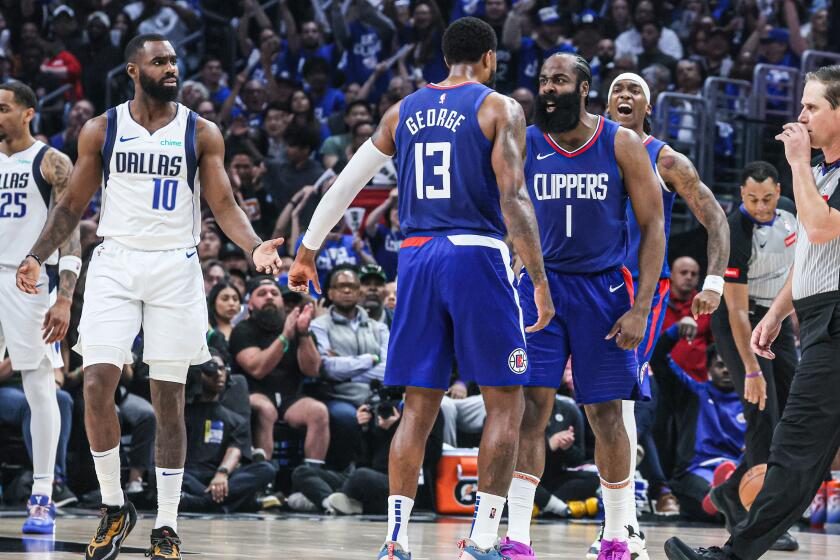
x=292, y=400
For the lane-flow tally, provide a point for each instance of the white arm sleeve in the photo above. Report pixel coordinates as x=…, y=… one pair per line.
x=360, y=169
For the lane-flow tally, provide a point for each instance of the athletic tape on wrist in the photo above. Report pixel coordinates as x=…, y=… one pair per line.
x=70, y=263
x=713, y=283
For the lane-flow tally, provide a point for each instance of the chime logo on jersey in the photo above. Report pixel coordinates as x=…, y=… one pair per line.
x=518, y=361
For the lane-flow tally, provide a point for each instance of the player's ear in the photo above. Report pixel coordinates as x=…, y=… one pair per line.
x=131, y=69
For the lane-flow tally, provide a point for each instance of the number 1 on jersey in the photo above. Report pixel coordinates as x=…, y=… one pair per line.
x=164, y=194
x=422, y=151
x=569, y=220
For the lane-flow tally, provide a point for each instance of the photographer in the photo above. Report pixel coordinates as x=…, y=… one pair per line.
x=217, y=439
x=366, y=489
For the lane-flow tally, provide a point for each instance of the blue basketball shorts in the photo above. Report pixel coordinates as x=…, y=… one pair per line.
x=456, y=300
x=587, y=306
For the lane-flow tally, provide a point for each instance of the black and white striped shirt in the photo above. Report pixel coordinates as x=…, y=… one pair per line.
x=816, y=269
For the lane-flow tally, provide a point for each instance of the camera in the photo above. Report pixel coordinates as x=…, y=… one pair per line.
x=383, y=399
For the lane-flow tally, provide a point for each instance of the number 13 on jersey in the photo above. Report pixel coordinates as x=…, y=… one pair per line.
x=437, y=154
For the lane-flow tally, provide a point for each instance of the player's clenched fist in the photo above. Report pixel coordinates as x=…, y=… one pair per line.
x=630, y=329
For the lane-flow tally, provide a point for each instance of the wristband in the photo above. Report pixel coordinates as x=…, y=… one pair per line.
x=257, y=246
x=713, y=283
x=754, y=374
x=282, y=338
x=70, y=263
x=36, y=257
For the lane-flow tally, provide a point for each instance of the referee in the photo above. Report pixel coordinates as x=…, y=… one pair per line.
x=808, y=434
x=762, y=243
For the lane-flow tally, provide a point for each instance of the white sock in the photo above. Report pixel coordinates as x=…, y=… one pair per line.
x=45, y=425
x=488, y=513
x=629, y=417
x=615, y=509
x=556, y=506
x=399, y=512
x=168, y=495
x=520, y=501
x=107, y=465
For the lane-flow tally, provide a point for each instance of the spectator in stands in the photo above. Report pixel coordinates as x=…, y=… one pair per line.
x=426, y=58
x=224, y=302
x=365, y=40
x=618, y=20
x=254, y=99
x=213, y=272
x=816, y=35
x=565, y=449
x=744, y=65
x=718, y=45
x=303, y=114
x=651, y=32
x=385, y=238
x=276, y=120
x=206, y=110
x=234, y=259
x=604, y=56
x=217, y=440
x=334, y=147
x=309, y=43
x=690, y=76
x=172, y=19
x=193, y=93
x=373, y=281
x=250, y=192
x=587, y=35
x=212, y=76
x=353, y=350
x=97, y=55
x=16, y=411
x=325, y=99
x=391, y=295
x=629, y=43
x=658, y=78
x=525, y=97
x=359, y=134
x=461, y=412
x=81, y=112
x=695, y=335
x=65, y=28
x=287, y=178
x=210, y=244
x=275, y=352
x=711, y=423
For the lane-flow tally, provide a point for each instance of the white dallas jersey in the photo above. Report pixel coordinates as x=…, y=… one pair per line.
x=150, y=186
x=24, y=203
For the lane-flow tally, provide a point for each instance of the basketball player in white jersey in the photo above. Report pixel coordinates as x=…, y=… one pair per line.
x=150, y=155
x=32, y=177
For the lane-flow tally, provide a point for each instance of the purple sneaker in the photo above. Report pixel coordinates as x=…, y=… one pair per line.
x=517, y=550
x=614, y=550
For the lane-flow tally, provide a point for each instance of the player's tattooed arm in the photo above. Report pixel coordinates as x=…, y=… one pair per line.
x=517, y=210
x=680, y=174
x=56, y=169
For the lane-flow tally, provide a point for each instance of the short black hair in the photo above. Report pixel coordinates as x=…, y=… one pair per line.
x=829, y=76
x=23, y=94
x=138, y=42
x=759, y=171
x=466, y=40
x=582, y=68
x=314, y=65
x=342, y=268
x=654, y=22
x=302, y=136
x=276, y=106
x=355, y=103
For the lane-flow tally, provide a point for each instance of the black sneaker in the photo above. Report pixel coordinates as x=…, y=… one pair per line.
x=728, y=505
x=675, y=549
x=785, y=543
x=165, y=545
x=62, y=496
x=114, y=526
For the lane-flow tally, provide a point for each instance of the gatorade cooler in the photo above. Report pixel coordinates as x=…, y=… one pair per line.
x=457, y=481
x=818, y=513
x=833, y=502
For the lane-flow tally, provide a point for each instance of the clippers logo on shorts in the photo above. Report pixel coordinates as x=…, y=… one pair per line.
x=214, y=431
x=740, y=418
x=644, y=371
x=518, y=361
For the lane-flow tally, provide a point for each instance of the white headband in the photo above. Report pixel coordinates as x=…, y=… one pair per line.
x=636, y=79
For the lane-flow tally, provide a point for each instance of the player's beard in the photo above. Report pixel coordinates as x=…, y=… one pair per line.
x=158, y=91
x=566, y=114
x=269, y=318
x=491, y=81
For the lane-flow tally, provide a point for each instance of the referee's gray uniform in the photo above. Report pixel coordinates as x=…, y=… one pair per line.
x=760, y=256
x=807, y=437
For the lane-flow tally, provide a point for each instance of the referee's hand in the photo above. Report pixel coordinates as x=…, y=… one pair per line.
x=763, y=335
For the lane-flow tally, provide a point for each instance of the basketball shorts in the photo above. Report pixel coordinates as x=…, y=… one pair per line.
x=658, y=306
x=456, y=300
x=21, y=321
x=160, y=291
x=586, y=306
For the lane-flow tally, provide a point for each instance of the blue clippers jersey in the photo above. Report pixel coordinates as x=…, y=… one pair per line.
x=653, y=147
x=446, y=180
x=580, y=201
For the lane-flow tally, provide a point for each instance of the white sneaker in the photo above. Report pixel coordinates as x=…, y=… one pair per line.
x=635, y=543
x=299, y=502
x=134, y=487
x=339, y=503
x=595, y=547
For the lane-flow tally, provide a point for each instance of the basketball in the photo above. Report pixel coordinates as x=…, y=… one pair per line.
x=751, y=484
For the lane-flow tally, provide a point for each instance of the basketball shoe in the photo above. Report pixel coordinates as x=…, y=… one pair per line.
x=393, y=551
x=41, y=516
x=471, y=551
x=165, y=545
x=114, y=526
x=614, y=549
x=516, y=550
x=635, y=542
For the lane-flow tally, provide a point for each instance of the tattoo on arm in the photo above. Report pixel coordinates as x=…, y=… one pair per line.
x=56, y=168
x=680, y=175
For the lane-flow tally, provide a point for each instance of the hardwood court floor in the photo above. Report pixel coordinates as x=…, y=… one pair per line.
x=301, y=537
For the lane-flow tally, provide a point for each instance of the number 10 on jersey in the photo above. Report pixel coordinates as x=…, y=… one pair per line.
x=164, y=194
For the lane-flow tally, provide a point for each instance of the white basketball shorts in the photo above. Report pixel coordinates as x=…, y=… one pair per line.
x=162, y=291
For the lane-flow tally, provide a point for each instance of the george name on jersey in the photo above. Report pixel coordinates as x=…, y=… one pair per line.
x=10, y=181
x=551, y=186
x=142, y=163
x=445, y=118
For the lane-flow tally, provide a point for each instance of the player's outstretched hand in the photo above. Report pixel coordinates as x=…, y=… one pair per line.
x=763, y=335
x=56, y=321
x=545, y=307
x=705, y=303
x=27, y=276
x=629, y=330
x=303, y=271
x=266, y=259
